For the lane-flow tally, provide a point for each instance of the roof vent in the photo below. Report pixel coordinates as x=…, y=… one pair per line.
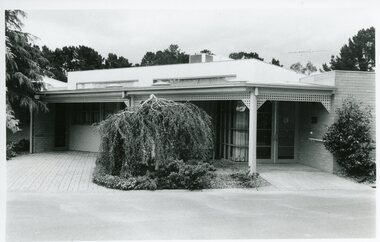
x=200, y=58
x=160, y=83
x=113, y=85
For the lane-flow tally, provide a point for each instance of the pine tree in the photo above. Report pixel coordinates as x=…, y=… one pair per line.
x=357, y=55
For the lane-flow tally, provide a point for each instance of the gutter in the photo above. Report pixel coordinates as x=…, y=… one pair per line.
x=169, y=88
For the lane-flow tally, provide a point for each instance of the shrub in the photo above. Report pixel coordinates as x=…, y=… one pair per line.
x=11, y=150
x=100, y=177
x=349, y=139
x=246, y=179
x=22, y=145
x=179, y=175
x=173, y=175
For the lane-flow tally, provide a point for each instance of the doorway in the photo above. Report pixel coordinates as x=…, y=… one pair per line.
x=276, y=132
x=60, y=126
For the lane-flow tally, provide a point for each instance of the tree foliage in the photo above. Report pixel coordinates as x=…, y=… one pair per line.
x=206, y=51
x=357, y=55
x=71, y=58
x=171, y=55
x=152, y=134
x=23, y=68
x=350, y=138
x=79, y=58
x=299, y=68
x=114, y=61
x=12, y=122
x=245, y=55
x=276, y=62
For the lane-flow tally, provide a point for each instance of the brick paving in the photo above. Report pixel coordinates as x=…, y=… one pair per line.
x=66, y=171
x=71, y=171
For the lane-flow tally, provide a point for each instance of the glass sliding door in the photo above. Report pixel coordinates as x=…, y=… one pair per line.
x=286, y=130
x=264, y=131
x=276, y=125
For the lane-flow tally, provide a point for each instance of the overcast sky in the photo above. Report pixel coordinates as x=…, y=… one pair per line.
x=269, y=32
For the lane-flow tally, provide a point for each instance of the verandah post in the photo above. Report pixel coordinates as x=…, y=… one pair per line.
x=31, y=131
x=252, y=131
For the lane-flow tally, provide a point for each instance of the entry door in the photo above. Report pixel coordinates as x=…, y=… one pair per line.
x=60, y=126
x=276, y=123
x=264, y=149
x=284, y=135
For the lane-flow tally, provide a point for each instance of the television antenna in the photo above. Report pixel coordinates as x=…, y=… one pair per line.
x=306, y=51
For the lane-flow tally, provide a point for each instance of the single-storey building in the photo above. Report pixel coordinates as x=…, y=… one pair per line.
x=261, y=112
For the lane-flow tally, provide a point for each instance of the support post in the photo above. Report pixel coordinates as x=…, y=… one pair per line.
x=31, y=131
x=252, y=131
x=132, y=100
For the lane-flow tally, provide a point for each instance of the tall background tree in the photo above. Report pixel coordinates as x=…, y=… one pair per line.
x=23, y=67
x=206, y=51
x=357, y=55
x=79, y=58
x=171, y=55
x=276, y=62
x=245, y=55
x=113, y=61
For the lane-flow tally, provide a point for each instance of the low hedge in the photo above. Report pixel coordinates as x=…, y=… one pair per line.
x=179, y=175
x=116, y=182
x=174, y=175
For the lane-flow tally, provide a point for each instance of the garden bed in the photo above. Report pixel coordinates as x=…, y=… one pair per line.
x=222, y=174
x=230, y=174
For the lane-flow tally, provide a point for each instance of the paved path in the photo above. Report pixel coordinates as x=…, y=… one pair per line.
x=297, y=177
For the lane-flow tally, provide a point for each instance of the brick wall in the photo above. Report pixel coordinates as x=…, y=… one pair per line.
x=360, y=85
x=313, y=153
x=43, y=130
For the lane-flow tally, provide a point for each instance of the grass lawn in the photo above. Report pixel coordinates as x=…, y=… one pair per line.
x=230, y=174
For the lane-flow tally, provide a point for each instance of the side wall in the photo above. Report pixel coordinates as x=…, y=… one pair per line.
x=313, y=120
x=84, y=138
x=43, y=130
x=361, y=86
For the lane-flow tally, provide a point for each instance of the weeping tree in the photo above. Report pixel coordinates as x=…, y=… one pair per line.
x=152, y=134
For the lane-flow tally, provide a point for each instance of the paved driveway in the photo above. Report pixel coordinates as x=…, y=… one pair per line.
x=162, y=215
x=68, y=171
x=51, y=197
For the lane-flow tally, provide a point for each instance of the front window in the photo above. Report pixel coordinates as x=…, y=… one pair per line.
x=86, y=113
x=90, y=113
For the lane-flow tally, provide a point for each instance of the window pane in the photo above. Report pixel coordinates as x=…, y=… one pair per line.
x=286, y=152
x=263, y=152
x=264, y=137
